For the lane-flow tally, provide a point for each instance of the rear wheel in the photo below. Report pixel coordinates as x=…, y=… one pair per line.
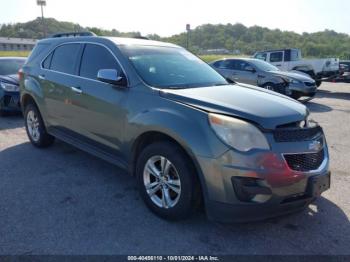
x=167, y=181
x=35, y=127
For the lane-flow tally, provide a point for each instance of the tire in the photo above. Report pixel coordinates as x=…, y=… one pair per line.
x=184, y=190
x=296, y=95
x=269, y=86
x=318, y=83
x=35, y=127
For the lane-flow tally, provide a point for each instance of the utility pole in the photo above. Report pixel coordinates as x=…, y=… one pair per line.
x=188, y=29
x=42, y=3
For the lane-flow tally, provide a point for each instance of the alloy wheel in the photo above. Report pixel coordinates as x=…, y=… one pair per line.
x=162, y=182
x=33, y=125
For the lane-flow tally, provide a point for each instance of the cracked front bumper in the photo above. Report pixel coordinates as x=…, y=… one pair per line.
x=271, y=186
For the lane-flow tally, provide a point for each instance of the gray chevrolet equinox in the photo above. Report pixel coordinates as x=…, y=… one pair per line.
x=173, y=122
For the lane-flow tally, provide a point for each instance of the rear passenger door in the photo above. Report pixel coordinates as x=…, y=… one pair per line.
x=58, y=75
x=244, y=73
x=225, y=68
x=98, y=113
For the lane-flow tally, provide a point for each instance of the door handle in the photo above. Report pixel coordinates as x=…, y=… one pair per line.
x=76, y=90
x=41, y=77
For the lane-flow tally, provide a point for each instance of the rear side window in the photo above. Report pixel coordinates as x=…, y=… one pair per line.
x=38, y=49
x=47, y=61
x=242, y=65
x=96, y=57
x=65, y=58
x=276, y=57
x=224, y=64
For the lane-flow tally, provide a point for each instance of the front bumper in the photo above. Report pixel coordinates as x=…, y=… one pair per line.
x=9, y=101
x=328, y=74
x=279, y=189
x=305, y=89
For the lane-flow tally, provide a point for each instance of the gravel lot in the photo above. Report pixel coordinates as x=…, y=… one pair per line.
x=64, y=201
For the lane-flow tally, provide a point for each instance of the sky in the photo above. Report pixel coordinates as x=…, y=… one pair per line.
x=168, y=17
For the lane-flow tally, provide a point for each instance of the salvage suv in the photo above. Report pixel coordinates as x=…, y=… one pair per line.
x=173, y=122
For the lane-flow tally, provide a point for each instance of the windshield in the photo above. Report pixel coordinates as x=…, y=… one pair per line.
x=264, y=66
x=10, y=66
x=168, y=67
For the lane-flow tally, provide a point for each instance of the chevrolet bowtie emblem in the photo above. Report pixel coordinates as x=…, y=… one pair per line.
x=315, y=145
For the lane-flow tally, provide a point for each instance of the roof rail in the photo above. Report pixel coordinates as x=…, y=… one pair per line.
x=141, y=37
x=72, y=34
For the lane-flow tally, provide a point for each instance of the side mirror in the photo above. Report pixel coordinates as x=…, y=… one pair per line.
x=110, y=76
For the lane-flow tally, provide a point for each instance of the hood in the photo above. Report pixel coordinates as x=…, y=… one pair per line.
x=11, y=79
x=266, y=108
x=296, y=76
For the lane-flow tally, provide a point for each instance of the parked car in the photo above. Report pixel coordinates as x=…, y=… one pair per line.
x=176, y=124
x=260, y=73
x=344, y=71
x=291, y=59
x=9, y=85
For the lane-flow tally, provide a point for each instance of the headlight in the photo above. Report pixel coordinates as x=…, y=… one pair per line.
x=9, y=87
x=238, y=134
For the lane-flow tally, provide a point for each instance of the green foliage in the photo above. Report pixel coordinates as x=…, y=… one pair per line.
x=251, y=39
x=231, y=37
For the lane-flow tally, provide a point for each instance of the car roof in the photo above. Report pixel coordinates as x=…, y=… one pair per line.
x=236, y=58
x=116, y=40
x=137, y=41
x=276, y=50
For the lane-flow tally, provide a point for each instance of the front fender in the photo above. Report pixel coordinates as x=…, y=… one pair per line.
x=186, y=125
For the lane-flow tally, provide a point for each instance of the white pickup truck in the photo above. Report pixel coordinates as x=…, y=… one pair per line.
x=290, y=59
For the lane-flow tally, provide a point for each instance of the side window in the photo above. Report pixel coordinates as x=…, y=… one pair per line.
x=224, y=64
x=261, y=56
x=96, y=57
x=276, y=57
x=65, y=58
x=47, y=62
x=217, y=64
x=242, y=66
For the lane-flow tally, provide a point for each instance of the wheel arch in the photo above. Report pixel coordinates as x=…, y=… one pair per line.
x=150, y=137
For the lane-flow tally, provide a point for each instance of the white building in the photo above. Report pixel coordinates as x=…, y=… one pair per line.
x=16, y=44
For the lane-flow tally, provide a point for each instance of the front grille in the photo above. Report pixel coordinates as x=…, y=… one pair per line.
x=305, y=162
x=309, y=84
x=296, y=134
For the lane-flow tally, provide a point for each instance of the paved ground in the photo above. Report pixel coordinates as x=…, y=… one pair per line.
x=64, y=201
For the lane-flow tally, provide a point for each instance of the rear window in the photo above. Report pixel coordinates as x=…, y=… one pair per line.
x=65, y=58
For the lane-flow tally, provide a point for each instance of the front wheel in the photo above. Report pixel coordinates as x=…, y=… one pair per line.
x=318, y=83
x=167, y=181
x=269, y=86
x=35, y=127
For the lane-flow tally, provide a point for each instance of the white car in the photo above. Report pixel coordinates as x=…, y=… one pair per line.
x=291, y=59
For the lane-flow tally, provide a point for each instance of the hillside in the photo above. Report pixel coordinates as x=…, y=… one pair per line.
x=231, y=37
